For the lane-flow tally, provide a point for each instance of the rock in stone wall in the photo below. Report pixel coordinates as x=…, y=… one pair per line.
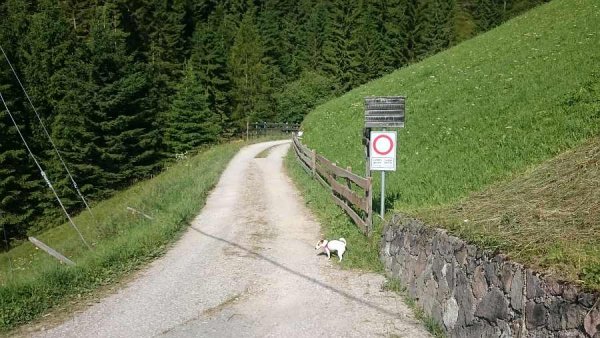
x=473, y=293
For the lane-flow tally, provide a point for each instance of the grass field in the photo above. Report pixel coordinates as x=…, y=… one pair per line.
x=484, y=112
x=32, y=282
x=362, y=253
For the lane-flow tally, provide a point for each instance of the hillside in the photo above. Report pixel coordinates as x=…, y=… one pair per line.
x=122, y=87
x=483, y=112
x=33, y=283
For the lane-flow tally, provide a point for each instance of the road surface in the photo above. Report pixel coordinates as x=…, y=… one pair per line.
x=247, y=267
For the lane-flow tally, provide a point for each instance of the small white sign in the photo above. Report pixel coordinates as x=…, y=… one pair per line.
x=382, y=150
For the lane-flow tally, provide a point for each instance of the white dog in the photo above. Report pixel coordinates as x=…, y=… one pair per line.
x=339, y=246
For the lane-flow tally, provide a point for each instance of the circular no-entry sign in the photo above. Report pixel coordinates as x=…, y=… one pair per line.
x=382, y=150
x=383, y=144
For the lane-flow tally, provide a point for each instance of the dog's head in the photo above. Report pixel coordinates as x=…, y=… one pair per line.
x=321, y=244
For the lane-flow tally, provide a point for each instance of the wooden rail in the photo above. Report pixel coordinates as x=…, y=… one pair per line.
x=354, y=194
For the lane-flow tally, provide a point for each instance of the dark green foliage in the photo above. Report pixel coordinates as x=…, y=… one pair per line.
x=209, y=60
x=249, y=74
x=122, y=85
x=191, y=120
x=301, y=96
x=340, y=58
x=16, y=171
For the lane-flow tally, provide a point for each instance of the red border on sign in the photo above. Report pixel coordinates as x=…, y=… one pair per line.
x=383, y=152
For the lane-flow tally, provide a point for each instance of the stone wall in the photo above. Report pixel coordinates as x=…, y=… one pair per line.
x=473, y=293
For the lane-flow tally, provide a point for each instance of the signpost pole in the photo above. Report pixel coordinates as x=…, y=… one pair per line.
x=382, y=193
x=382, y=112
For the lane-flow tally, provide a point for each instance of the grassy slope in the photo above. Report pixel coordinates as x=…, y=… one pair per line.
x=122, y=241
x=482, y=112
x=548, y=217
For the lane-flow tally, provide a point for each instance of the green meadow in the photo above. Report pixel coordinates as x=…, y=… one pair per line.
x=481, y=118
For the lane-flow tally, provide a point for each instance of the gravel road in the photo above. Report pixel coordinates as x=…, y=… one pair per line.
x=247, y=267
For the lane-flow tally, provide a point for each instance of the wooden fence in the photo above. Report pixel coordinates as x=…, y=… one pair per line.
x=354, y=195
x=258, y=129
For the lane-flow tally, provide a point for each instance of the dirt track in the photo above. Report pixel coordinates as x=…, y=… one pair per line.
x=247, y=268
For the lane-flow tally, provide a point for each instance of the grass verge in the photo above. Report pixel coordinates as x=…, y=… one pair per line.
x=431, y=325
x=362, y=253
x=32, y=283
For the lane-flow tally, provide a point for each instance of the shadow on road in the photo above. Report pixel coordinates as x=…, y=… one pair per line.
x=308, y=278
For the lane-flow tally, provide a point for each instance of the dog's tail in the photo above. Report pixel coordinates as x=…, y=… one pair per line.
x=343, y=240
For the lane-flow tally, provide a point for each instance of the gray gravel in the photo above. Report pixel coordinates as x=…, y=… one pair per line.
x=247, y=268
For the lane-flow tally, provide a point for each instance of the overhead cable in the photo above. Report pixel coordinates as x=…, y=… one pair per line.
x=44, y=176
x=48, y=135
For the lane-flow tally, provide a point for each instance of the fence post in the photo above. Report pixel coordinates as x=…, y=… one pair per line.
x=348, y=181
x=333, y=175
x=51, y=251
x=313, y=162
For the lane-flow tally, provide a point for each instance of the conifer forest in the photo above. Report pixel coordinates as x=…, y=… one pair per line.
x=124, y=86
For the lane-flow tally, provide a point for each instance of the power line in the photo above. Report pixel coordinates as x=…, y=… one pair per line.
x=48, y=135
x=43, y=173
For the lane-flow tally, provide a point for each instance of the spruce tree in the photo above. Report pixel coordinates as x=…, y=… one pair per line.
x=368, y=42
x=209, y=60
x=314, y=37
x=340, y=56
x=106, y=126
x=392, y=24
x=19, y=179
x=191, y=121
x=487, y=14
x=249, y=75
x=47, y=50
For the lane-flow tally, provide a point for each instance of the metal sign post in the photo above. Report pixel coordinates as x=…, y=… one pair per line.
x=383, y=157
x=382, y=112
x=382, y=194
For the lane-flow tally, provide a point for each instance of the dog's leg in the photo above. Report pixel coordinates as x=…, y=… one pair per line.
x=341, y=255
x=328, y=253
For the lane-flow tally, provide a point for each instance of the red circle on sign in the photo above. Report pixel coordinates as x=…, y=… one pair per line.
x=383, y=152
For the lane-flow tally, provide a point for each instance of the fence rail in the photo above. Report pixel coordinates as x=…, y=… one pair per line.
x=257, y=129
x=354, y=194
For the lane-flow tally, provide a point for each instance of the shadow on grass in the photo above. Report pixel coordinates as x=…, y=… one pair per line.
x=301, y=275
x=390, y=199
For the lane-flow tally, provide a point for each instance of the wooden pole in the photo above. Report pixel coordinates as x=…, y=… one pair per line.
x=51, y=251
x=348, y=181
x=313, y=163
x=134, y=211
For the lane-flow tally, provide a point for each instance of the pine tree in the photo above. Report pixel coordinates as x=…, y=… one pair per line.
x=340, y=56
x=368, y=42
x=430, y=27
x=46, y=50
x=128, y=124
x=249, y=75
x=191, y=121
x=391, y=20
x=314, y=36
x=487, y=14
x=18, y=180
x=105, y=123
x=209, y=60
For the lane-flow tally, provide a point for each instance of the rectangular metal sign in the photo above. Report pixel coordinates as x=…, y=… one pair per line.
x=382, y=149
x=384, y=112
